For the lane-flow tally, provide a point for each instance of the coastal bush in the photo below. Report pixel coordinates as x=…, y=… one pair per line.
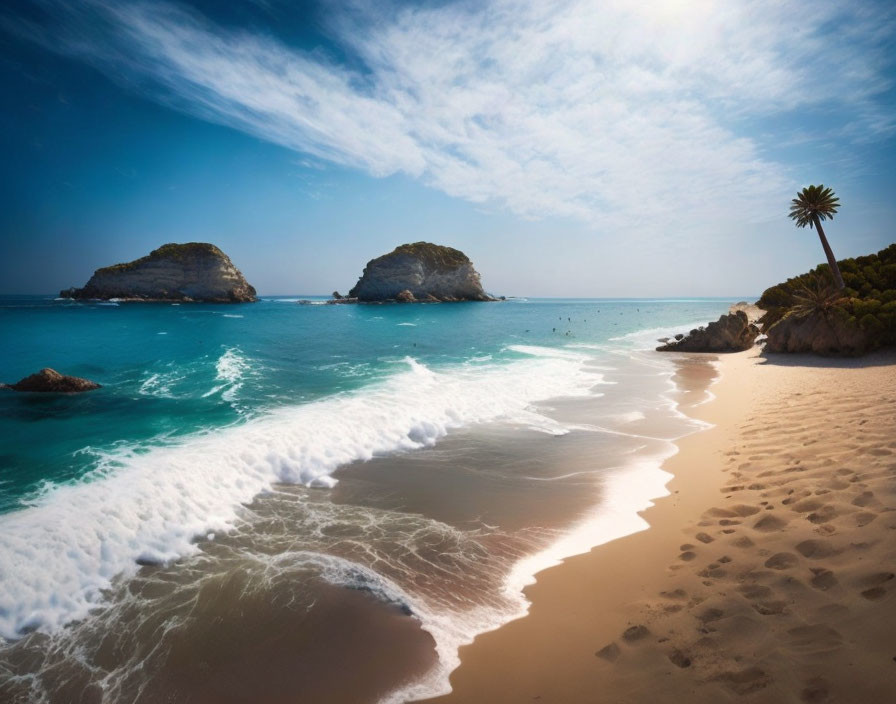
x=867, y=304
x=172, y=250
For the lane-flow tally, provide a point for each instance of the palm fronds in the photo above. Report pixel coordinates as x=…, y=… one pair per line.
x=813, y=202
x=817, y=297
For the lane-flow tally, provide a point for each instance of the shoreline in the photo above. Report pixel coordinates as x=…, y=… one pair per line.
x=704, y=612
x=625, y=491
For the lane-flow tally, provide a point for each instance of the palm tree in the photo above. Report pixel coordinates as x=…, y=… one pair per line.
x=816, y=297
x=812, y=205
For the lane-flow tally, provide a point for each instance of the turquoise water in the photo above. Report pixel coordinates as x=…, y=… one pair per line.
x=377, y=481
x=169, y=370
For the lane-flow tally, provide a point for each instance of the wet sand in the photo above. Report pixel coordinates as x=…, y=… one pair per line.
x=363, y=591
x=766, y=576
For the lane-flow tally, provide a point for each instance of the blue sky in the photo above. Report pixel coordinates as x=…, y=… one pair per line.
x=572, y=148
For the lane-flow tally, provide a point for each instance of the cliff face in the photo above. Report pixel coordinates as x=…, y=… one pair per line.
x=420, y=272
x=195, y=271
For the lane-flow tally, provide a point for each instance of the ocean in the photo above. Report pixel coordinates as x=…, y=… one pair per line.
x=277, y=502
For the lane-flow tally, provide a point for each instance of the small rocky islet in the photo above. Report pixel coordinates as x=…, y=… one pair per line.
x=50, y=381
x=418, y=272
x=190, y=272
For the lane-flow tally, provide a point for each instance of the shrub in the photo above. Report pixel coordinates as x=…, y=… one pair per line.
x=868, y=301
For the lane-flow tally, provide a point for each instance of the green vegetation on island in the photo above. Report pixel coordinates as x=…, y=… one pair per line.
x=171, y=251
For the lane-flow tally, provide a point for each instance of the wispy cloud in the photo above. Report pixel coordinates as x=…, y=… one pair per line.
x=618, y=113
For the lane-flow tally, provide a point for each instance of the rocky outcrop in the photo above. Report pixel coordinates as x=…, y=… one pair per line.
x=49, y=380
x=730, y=333
x=195, y=271
x=754, y=312
x=420, y=272
x=828, y=335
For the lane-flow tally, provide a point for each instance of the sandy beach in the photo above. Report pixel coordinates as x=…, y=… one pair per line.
x=767, y=575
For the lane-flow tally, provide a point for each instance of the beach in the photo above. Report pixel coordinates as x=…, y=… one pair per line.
x=250, y=509
x=767, y=574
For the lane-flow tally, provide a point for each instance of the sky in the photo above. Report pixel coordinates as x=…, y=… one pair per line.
x=575, y=148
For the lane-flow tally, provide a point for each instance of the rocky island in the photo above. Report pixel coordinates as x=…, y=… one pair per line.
x=420, y=272
x=190, y=272
x=50, y=381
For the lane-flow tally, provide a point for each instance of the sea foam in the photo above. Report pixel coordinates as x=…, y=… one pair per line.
x=57, y=556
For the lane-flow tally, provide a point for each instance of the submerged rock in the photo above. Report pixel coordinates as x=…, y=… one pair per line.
x=730, y=333
x=49, y=380
x=195, y=271
x=420, y=272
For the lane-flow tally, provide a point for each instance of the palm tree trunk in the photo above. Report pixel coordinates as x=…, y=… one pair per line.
x=832, y=262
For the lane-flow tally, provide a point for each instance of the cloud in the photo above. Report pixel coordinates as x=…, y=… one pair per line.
x=620, y=114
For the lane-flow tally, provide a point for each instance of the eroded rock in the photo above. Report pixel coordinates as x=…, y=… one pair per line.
x=49, y=380
x=420, y=272
x=730, y=333
x=195, y=271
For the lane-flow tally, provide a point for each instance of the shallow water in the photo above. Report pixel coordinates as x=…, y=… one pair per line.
x=310, y=502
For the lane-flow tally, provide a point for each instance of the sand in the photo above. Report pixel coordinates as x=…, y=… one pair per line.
x=766, y=576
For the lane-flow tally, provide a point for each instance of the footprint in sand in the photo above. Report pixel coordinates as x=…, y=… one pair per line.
x=745, y=681
x=824, y=579
x=815, y=639
x=816, y=549
x=743, y=510
x=716, y=512
x=823, y=514
x=633, y=634
x=815, y=691
x=704, y=537
x=676, y=594
x=863, y=518
x=782, y=561
x=770, y=608
x=710, y=615
x=769, y=523
x=874, y=593
x=863, y=499
x=874, y=581
x=755, y=591
x=806, y=505
x=610, y=652
x=679, y=659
